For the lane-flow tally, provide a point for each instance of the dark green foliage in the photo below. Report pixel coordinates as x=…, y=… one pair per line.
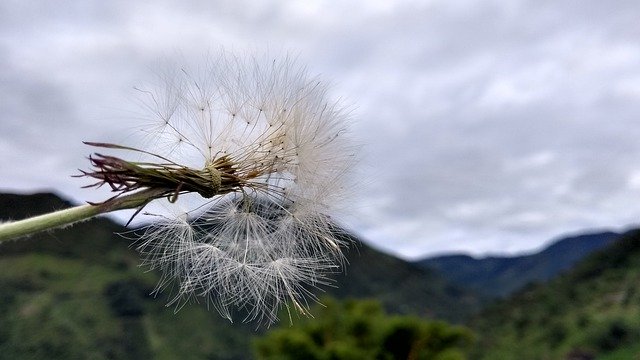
x=126, y=297
x=611, y=334
x=362, y=330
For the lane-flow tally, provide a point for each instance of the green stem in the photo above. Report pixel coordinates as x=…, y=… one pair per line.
x=29, y=226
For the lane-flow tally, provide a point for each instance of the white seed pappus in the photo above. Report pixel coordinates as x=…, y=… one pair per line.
x=268, y=244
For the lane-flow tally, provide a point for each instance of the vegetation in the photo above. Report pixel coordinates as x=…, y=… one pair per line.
x=79, y=293
x=55, y=308
x=362, y=330
x=592, y=311
x=403, y=287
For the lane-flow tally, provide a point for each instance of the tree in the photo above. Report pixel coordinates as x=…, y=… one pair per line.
x=360, y=329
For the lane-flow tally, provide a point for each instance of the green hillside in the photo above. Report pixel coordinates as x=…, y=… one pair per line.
x=593, y=311
x=79, y=293
x=403, y=287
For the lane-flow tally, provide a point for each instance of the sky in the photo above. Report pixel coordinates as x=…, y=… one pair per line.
x=486, y=127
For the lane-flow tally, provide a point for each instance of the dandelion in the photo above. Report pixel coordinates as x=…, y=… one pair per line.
x=248, y=158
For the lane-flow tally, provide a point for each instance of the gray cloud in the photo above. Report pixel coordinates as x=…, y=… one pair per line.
x=487, y=126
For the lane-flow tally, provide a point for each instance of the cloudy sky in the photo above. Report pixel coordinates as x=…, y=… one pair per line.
x=487, y=126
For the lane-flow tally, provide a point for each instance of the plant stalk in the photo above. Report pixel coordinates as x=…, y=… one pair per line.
x=16, y=229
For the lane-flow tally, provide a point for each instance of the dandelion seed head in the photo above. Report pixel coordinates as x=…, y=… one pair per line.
x=265, y=242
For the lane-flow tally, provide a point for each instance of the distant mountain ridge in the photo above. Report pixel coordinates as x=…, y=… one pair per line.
x=498, y=276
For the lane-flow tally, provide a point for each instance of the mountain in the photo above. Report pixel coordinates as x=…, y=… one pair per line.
x=591, y=311
x=403, y=287
x=501, y=276
x=78, y=292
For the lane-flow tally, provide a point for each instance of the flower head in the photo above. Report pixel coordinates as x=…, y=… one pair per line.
x=251, y=156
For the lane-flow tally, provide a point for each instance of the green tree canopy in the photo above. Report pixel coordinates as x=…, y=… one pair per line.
x=360, y=329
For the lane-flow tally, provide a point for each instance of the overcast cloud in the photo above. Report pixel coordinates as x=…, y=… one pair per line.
x=487, y=126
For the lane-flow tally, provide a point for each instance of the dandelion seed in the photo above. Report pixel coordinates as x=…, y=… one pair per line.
x=260, y=160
